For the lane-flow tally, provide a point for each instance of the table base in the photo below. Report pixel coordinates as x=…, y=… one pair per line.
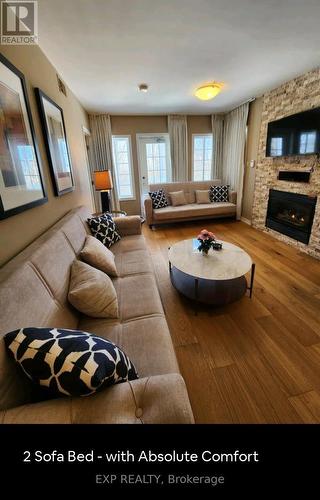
x=211, y=292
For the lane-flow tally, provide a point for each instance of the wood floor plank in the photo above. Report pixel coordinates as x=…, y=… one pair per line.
x=289, y=376
x=306, y=366
x=256, y=360
x=298, y=328
x=264, y=387
x=241, y=405
x=206, y=400
x=307, y=406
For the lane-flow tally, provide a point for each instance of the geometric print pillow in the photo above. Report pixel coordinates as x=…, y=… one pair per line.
x=159, y=199
x=69, y=362
x=103, y=228
x=219, y=193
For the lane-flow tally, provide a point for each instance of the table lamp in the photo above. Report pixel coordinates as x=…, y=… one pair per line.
x=103, y=183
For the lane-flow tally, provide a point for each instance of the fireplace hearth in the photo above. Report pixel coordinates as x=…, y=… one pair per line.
x=291, y=214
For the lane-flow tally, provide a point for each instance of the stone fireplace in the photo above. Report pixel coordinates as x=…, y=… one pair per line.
x=298, y=95
x=291, y=214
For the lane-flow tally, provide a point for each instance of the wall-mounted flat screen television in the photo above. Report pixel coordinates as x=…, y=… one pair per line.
x=295, y=135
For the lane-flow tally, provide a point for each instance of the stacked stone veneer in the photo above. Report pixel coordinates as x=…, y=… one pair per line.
x=298, y=95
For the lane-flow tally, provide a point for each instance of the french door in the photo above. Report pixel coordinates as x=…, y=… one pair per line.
x=154, y=160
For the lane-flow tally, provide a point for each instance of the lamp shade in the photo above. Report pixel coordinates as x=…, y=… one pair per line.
x=102, y=180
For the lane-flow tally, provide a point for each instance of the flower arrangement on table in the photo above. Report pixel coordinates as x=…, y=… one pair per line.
x=207, y=240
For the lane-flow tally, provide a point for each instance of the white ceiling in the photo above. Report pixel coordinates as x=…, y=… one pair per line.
x=104, y=48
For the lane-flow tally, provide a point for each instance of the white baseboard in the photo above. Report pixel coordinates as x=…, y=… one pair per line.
x=246, y=221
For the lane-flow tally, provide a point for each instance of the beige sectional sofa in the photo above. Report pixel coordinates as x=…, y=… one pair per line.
x=33, y=292
x=192, y=210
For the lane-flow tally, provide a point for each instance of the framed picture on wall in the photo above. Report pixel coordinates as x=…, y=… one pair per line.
x=56, y=143
x=21, y=181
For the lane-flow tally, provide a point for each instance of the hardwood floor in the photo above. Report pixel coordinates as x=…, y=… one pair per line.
x=253, y=361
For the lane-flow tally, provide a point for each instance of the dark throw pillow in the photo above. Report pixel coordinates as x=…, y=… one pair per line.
x=219, y=193
x=103, y=228
x=159, y=199
x=69, y=362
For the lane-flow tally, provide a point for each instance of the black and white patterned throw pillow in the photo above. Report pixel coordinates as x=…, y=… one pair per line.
x=219, y=193
x=159, y=199
x=103, y=228
x=69, y=362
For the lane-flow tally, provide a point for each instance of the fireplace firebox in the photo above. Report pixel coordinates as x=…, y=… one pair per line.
x=291, y=214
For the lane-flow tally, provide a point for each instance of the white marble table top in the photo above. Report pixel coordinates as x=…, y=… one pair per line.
x=228, y=263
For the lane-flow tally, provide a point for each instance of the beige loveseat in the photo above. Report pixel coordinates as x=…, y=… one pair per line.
x=33, y=292
x=192, y=210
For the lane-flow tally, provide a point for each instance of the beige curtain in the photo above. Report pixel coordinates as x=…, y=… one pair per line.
x=217, y=144
x=234, y=139
x=178, y=133
x=101, y=157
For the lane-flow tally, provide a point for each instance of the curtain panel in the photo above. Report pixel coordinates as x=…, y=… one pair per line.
x=234, y=139
x=217, y=122
x=101, y=152
x=178, y=133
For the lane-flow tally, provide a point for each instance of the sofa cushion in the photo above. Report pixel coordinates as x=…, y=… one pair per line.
x=145, y=340
x=138, y=296
x=162, y=399
x=92, y=292
x=129, y=244
x=97, y=255
x=194, y=210
x=219, y=193
x=177, y=198
x=159, y=199
x=135, y=262
x=103, y=227
x=202, y=196
x=69, y=362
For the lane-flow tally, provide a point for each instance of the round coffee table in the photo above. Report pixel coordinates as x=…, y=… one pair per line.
x=217, y=278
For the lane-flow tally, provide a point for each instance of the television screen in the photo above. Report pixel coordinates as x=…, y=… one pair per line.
x=295, y=135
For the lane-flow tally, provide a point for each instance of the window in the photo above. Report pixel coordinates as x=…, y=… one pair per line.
x=276, y=146
x=202, y=157
x=123, y=166
x=308, y=142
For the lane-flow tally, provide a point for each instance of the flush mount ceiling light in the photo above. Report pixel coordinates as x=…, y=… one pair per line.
x=143, y=87
x=208, y=91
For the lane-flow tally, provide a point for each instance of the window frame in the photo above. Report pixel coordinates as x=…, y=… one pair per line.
x=208, y=134
x=131, y=168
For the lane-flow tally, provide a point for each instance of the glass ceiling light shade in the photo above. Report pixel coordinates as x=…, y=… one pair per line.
x=208, y=91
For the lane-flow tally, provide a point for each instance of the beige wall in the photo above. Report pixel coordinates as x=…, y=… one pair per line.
x=251, y=153
x=18, y=231
x=132, y=125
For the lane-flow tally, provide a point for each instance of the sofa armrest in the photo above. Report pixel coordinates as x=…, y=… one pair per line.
x=128, y=225
x=160, y=399
x=149, y=210
x=233, y=197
